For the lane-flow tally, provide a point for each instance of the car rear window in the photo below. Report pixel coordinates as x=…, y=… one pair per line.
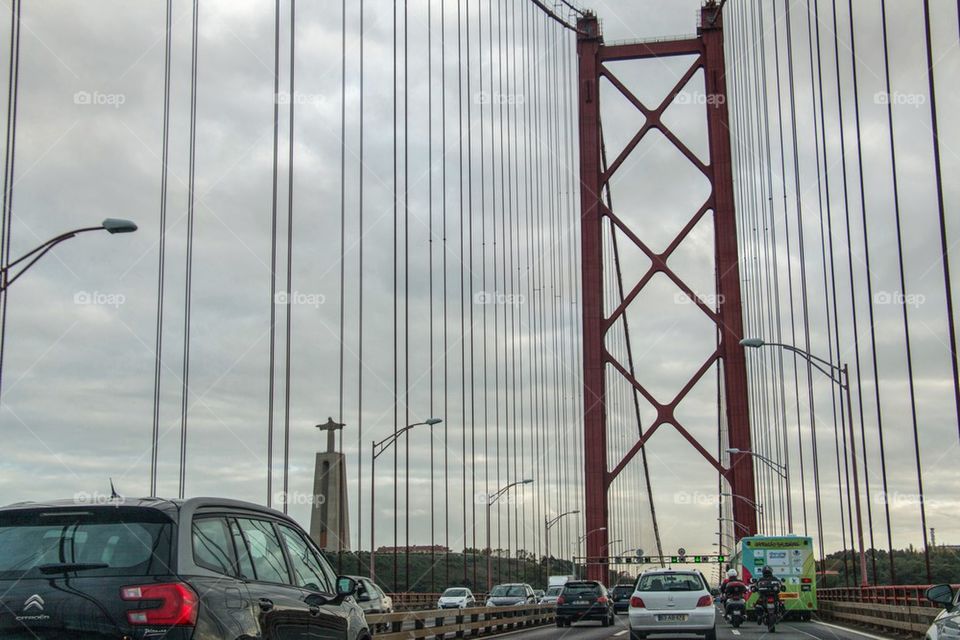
x=581, y=590
x=623, y=590
x=554, y=591
x=670, y=582
x=131, y=541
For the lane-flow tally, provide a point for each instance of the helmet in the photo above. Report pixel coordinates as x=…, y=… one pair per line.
x=732, y=574
x=767, y=572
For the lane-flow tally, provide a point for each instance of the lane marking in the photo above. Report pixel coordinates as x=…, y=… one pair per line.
x=736, y=632
x=861, y=633
x=619, y=633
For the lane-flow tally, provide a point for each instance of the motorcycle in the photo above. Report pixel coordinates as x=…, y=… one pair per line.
x=769, y=610
x=735, y=611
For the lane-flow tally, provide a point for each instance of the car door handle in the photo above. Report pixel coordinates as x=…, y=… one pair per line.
x=266, y=604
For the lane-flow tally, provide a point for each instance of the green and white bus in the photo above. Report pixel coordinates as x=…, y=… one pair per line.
x=791, y=559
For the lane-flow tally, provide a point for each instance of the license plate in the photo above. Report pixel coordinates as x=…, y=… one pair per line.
x=672, y=617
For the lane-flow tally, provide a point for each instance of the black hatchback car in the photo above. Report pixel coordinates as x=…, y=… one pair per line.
x=584, y=600
x=200, y=569
x=621, y=597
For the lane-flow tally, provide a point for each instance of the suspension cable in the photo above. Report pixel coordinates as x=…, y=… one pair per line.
x=162, y=251
x=188, y=280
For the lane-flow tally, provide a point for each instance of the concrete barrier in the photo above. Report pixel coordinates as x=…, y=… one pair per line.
x=909, y=620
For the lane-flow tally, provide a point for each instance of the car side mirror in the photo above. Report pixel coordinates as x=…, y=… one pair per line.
x=346, y=586
x=941, y=594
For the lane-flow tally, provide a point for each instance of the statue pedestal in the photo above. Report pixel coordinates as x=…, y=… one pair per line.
x=330, y=517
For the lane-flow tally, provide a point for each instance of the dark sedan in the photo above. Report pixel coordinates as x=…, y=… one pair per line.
x=584, y=600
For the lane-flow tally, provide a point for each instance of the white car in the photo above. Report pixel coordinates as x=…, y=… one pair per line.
x=456, y=598
x=667, y=601
x=947, y=624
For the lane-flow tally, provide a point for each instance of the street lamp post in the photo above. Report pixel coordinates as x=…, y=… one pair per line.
x=110, y=225
x=375, y=451
x=549, y=523
x=491, y=499
x=580, y=547
x=841, y=377
x=780, y=469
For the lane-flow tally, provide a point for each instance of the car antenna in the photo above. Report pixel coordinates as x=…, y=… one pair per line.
x=113, y=492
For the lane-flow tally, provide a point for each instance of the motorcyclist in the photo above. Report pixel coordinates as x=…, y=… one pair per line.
x=767, y=585
x=733, y=587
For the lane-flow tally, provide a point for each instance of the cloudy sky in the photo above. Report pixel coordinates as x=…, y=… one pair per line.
x=78, y=371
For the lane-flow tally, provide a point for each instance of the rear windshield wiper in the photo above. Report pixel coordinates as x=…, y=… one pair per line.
x=65, y=567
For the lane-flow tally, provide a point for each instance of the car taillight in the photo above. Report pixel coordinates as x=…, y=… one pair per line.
x=602, y=600
x=560, y=600
x=705, y=601
x=637, y=602
x=174, y=604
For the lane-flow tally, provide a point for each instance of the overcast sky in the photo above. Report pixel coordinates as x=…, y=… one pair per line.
x=78, y=372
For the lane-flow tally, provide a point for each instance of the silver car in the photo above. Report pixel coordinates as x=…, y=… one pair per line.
x=509, y=595
x=553, y=592
x=947, y=625
x=372, y=598
x=667, y=601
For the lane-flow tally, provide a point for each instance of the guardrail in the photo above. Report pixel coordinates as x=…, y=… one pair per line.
x=901, y=609
x=458, y=623
x=906, y=595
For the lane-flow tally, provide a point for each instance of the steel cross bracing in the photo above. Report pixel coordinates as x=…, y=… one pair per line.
x=595, y=179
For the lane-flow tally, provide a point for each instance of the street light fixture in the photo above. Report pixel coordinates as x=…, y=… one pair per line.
x=376, y=451
x=584, y=537
x=549, y=523
x=491, y=500
x=743, y=528
x=755, y=505
x=841, y=377
x=781, y=470
x=110, y=225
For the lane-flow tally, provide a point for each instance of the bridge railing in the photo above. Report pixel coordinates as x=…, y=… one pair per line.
x=413, y=601
x=903, y=595
x=899, y=609
x=460, y=623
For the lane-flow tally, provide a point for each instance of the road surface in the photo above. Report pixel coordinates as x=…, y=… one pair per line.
x=748, y=631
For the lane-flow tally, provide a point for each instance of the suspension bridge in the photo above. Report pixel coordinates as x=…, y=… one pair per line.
x=572, y=292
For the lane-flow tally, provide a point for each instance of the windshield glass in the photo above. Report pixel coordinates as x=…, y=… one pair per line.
x=554, y=591
x=508, y=591
x=582, y=589
x=670, y=582
x=454, y=593
x=129, y=541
